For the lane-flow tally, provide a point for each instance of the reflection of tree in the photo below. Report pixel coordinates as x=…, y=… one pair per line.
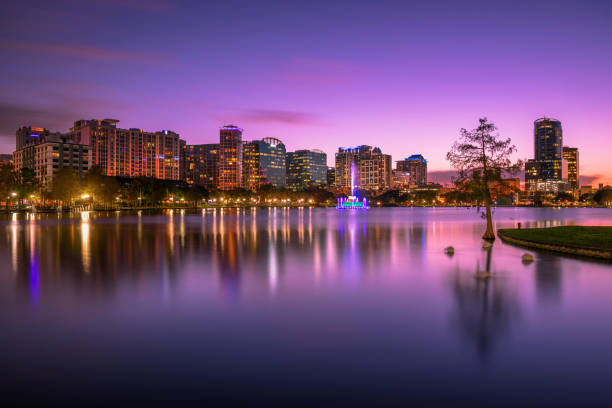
x=486, y=308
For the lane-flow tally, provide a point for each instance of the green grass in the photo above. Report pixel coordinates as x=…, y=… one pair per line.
x=594, y=237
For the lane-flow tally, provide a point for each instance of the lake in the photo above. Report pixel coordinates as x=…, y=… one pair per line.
x=300, y=306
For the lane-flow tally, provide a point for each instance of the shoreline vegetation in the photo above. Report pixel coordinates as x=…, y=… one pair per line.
x=179, y=206
x=585, y=241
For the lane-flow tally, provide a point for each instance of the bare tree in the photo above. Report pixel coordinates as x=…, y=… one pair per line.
x=481, y=156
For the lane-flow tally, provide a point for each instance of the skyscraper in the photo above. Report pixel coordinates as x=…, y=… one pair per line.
x=263, y=163
x=416, y=167
x=201, y=164
x=544, y=171
x=373, y=168
x=331, y=176
x=230, y=158
x=570, y=157
x=548, y=144
x=306, y=168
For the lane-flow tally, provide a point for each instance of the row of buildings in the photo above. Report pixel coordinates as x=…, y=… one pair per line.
x=230, y=164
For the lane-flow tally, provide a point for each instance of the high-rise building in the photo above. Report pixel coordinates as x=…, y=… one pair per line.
x=331, y=176
x=230, y=158
x=570, y=157
x=416, y=167
x=372, y=168
x=545, y=171
x=46, y=158
x=201, y=164
x=306, y=168
x=548, y=145
x=31, y=135
x=263, y=162
x=130, y=152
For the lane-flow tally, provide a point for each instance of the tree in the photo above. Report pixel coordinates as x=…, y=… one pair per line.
x=65, y=185
x=8, y=182
x=603, y=196
x=28, y=183
x=482, y=156
x=195, y=193
x=564, y=196
x=102, y=188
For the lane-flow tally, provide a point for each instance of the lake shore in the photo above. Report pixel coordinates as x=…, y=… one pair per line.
x=591, y=241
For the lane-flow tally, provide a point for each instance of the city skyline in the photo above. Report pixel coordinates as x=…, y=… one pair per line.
x=410, y=82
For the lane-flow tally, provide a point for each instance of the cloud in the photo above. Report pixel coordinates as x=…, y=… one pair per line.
x=86, y=52
x=441, y=176
x=448, y=176
x=14, y=116
x=153, y=6
x=587, y=179
x=323, y=71
x=277, y=116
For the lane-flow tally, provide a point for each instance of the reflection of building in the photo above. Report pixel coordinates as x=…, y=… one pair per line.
x=306, y=168
x=201, y=163
x=416, y=167
x=263, y=162
x=373, y=168
x=230, y=158
x=48, y=157
x=548, y=278
x=544, y=171
x=129, y=152
x=570, y=159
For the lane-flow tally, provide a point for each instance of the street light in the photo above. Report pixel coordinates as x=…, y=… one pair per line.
x=85, y=196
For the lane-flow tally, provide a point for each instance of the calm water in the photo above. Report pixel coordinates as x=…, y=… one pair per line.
x=300, y=306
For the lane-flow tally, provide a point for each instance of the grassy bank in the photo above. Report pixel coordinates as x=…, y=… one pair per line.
x=574, y=240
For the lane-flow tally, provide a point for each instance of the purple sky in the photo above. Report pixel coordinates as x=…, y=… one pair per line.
x=315, y=74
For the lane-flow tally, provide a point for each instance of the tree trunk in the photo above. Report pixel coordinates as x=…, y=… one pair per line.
x=489, y=234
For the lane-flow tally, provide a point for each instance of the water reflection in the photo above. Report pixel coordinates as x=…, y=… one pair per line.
x=548, y=278
x=298, y=296
x=486, y=306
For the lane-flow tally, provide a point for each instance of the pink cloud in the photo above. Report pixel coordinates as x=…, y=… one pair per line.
x=275, y=116
x=323, y=71
x=86, y=52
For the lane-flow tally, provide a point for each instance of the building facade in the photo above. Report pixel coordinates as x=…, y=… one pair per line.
x=401, y=180
x=263, y=163
x=201, y=164
x=416, y=167
x=31, y=135
x=331, y=176
x=230, y=158
x=545, y=171
x=130, y=152
x=46, y=158
x=306, y=168
x=571, y=166
x=370, y=168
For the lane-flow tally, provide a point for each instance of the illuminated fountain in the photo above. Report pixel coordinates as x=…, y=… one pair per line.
x=352, y=201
